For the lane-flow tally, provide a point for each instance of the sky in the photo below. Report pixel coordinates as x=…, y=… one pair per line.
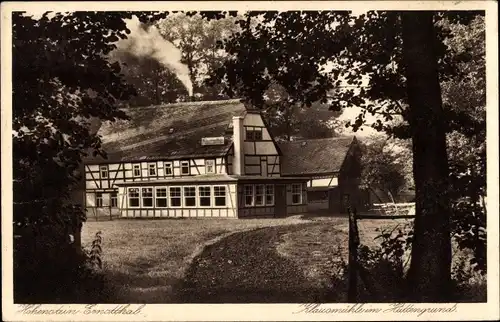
x=364, y=131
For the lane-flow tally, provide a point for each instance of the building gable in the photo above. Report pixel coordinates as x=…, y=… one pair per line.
x=255, y=147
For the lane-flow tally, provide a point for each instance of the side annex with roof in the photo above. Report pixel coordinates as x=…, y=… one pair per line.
x=194, y=159
x=333, y=169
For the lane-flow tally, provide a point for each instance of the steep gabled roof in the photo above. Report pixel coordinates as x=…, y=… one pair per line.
x=314, y=157
x=170, y=131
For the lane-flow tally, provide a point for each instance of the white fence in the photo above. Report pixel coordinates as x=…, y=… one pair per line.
x=403, y=208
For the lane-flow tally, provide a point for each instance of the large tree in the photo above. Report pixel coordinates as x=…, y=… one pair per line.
x=296, y=123
x=405, y=57
x=288, y=121
x=61, y=78
x=197, y=39
x=155, y=84
x=430, y=267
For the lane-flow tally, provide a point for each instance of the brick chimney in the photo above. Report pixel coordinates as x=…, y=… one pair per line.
x=239, y=155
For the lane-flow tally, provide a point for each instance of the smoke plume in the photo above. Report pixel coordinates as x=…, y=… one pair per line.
x=150, y=43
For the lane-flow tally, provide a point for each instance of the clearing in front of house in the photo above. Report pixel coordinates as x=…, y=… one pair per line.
x=145, y=260
x=265, y=260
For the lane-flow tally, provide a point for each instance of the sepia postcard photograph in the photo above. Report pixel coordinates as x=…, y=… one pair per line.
x=249, y=160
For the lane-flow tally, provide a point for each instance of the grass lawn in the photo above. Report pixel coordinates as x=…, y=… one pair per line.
x=224, y=261
x=245, y=268
x=145, y=259
x=275, y=265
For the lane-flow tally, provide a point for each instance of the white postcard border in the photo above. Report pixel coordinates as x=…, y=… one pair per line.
x=263, y=312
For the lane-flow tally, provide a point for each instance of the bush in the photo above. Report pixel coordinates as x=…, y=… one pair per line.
x=382, y=270
x=380, y=277
x=336, y=288
x=469, y=284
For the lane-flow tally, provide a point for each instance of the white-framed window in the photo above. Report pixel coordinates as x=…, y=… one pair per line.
x=204, y=194
x=296, y=193
x=147, y=197
x=136, y=170
x=269, y=195
x=220, y=196
x=98, y=199
x=152, y=169
x=190, y=196
x=175, y=197
x=168, y=168
x=133, y=198
x=103, y=169
x=185, y=168
x=249, y=195
x=114, y=199
x=161, y=197
x=259, y=194
x=210, y=166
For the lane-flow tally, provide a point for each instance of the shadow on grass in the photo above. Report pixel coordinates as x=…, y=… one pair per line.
x=245, y=268
x=123, y=287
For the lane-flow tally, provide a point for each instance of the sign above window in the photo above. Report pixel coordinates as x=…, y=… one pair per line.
x=219, y=140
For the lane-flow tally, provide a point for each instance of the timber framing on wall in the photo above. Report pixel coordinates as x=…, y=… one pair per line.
x=196, y=167
x=272, y=138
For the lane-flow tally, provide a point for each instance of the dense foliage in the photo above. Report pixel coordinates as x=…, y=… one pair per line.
x=197, y=39
x=384, y=169
x=154, y=83
x=465, y=97
x=382, y=269
x=61, y=79
x=288, y=121
x=406, y=59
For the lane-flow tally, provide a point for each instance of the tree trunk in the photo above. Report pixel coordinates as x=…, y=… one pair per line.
x=429, y=275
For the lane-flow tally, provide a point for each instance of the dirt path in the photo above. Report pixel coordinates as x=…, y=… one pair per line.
x=246, y=268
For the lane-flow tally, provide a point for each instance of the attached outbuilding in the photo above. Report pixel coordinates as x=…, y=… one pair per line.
x=332, y=167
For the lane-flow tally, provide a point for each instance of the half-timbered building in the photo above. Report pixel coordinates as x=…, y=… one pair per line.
x=196, y=159
x=215, y=159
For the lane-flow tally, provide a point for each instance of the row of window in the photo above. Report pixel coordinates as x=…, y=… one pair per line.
x=263, y=195
x=167, y=166
x=259, y=195
x=177, y=197
x=201, y=196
